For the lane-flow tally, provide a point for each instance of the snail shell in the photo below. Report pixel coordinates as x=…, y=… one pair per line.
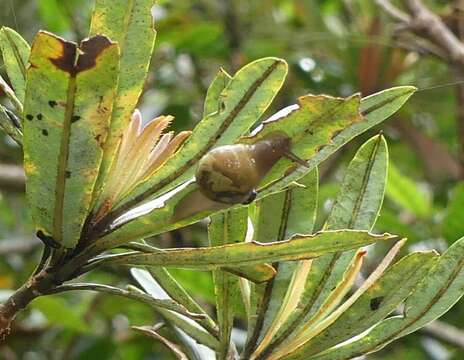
x=230, y=174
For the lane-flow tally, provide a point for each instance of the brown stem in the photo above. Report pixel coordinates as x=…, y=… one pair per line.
x=46, y=281
x=37, y=285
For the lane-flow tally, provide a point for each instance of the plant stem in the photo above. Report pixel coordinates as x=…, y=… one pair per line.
x=45, y=280
x=37, y=285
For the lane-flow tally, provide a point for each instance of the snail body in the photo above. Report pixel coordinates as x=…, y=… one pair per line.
x=230, y=173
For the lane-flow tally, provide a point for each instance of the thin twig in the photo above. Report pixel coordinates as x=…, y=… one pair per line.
x=428, y=26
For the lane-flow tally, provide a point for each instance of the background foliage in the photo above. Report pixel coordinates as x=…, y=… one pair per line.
x=334, y=47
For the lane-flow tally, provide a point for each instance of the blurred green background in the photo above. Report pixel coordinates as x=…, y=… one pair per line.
x=332, y=46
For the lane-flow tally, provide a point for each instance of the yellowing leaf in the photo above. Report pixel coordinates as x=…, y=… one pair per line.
x=69, y=97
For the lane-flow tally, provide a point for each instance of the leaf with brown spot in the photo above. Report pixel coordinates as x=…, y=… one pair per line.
x=62, y=156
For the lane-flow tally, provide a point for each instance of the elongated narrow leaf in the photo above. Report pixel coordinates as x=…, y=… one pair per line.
x=374, y=108
x=180, y=295
x=15, y=52
x=357, y=206
x=242, y=102
x=189, y=326
x=67, y=112
x=213, y=96
x=382, y=298
x=296, y=211
x=360, y=198
x=227, y=228
x=130, y=24
x=245, y=254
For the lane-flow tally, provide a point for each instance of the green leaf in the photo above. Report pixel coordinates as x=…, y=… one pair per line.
x=130, y=24
x=185, y=324
x=15, y=52
x=374, y=108
x=405, y=192
x=361, y=195
x=245, y=254
x=382, y=298
x=356, y=206
x=311, y=125
x=61, y=111
x=227, y=228
x=213, y=95
x=243, y=101
x=180, y=295
x=438, y=291
x=295, y=210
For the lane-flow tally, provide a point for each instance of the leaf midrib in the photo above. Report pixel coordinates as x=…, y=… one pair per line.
x=63, y=161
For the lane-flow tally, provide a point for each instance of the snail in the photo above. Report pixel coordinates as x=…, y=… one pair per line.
x=230, y=173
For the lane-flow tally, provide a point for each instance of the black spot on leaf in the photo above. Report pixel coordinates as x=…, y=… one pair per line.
x=52, y=103
x=45, y=132
x=29, y=117
x=68, y=174
x=75, y=118
x=375, y=302
x=39, y=116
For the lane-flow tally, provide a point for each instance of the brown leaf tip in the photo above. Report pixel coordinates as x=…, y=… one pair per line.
x=67, y=58
x=91, y=49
